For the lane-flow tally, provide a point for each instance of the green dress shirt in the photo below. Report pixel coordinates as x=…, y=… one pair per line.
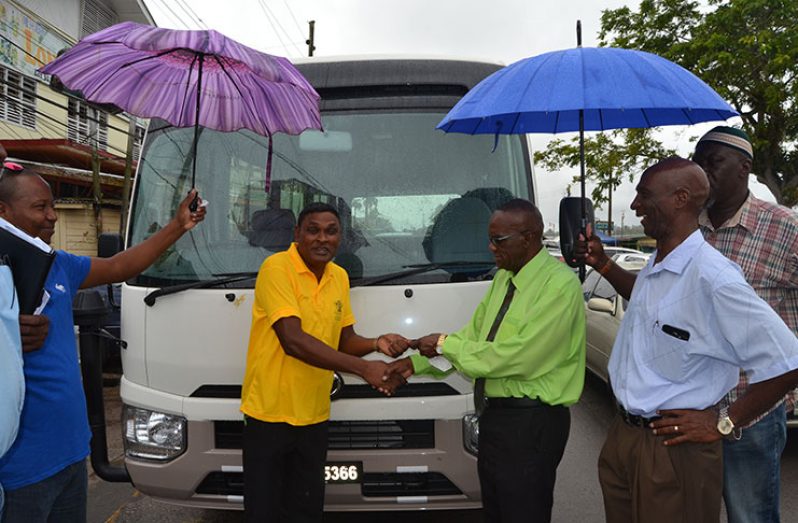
x=539, y=349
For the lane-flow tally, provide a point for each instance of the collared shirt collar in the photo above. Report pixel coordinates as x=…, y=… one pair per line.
x=678, y=258
x=744, y=217
x=300, y=265
x=527, y=273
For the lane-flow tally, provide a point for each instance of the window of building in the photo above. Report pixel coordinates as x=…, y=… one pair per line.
x=80, y=126
x=138, y=141
x=96, y=17
x=18, y=103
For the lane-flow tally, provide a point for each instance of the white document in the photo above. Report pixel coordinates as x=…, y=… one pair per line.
x=440, y=363
x=19, y=233
x=45, y=299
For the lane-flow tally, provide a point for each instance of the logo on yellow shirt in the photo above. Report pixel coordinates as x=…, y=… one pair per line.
x=339, y=308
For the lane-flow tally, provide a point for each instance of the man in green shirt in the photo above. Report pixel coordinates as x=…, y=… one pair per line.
x=525, y=348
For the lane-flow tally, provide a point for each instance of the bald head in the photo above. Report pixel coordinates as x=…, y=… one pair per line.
x=678, y=174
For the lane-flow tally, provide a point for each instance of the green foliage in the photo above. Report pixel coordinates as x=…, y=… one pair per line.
x=610, y=158
x=747, y=50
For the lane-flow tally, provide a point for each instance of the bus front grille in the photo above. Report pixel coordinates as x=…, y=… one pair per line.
x=350, y=435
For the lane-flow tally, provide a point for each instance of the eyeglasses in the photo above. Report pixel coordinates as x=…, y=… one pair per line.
x=12, y=167
x=496, y=241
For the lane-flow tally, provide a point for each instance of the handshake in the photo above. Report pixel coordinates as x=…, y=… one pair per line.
x=387, y=377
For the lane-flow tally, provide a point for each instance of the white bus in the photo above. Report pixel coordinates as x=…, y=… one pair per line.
x=414, y=206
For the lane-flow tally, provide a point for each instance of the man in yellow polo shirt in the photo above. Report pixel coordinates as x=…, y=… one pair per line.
x=301, y=332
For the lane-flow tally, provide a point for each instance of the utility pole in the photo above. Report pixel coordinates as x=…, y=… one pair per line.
x=94, y=133
x=131, y=142
x=609, y=211
x=310, y=40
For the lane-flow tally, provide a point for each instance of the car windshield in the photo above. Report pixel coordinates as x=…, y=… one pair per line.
x=408, y=195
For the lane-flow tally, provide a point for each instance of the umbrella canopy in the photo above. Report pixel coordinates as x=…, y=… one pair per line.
x=585, y=89
x=152, y=72
x=190, y=78
x=614, y=88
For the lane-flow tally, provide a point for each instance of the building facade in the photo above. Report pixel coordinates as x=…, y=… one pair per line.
x=53, y=131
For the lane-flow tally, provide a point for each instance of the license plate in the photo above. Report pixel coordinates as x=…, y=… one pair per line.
x=340, y=472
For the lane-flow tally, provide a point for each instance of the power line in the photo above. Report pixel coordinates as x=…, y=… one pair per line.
x=270, y=16
x=42, y=82
x=56, y=104
x=191, y=14
x=169, y=8
x=65, y=126
x=296, y=23
x=7, y=27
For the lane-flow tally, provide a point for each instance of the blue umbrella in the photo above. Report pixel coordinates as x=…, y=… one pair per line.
x=585, y=89
x=613, y=88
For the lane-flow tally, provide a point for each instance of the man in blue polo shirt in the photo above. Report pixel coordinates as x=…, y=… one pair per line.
x=44, y=473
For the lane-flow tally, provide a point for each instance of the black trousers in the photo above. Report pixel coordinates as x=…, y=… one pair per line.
x=283, y=471
x=519, y=451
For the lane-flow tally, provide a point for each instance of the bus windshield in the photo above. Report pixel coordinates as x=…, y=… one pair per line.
x=393, y=177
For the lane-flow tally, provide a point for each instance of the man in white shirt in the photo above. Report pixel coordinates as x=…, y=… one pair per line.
x=692, y=322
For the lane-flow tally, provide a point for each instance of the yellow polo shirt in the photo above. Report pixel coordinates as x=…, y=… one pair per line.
x=278, y=387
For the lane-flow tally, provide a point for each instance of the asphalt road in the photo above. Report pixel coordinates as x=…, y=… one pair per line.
x=577, y=495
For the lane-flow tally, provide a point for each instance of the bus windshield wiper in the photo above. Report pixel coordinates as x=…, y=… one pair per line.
x=418, y=269
x=222, y=279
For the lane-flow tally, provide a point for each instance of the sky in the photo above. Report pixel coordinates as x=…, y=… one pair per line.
x=502, y=31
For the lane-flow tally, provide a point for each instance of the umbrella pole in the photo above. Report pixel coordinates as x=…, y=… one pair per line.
x=583, y=203
x=194, y=203
x=583, y=221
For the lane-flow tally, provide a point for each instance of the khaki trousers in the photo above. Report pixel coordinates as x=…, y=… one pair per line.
x=643, y=481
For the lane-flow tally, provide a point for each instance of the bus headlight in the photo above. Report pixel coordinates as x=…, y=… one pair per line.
x=153, y=435
x=471, y=433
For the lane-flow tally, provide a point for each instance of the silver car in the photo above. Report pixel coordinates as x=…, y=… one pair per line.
x=604, y=310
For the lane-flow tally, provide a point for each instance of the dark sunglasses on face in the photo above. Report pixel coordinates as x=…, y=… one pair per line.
x=11, y=168
x=497, y=241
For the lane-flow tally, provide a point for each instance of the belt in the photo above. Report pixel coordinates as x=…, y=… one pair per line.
x=633, y=419
x=514, y=403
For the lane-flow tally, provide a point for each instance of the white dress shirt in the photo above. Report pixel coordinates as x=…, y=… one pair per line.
x=691, y=324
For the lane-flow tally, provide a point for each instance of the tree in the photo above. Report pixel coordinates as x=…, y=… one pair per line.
x=747, y=50
x=610, y=158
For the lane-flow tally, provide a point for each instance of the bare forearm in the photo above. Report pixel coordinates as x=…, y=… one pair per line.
x=314, y=352
x=621, y=279
x=134, y=260
x=357, y=345
x=760, y=397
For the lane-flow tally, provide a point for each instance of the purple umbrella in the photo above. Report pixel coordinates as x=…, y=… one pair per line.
x=190, y=78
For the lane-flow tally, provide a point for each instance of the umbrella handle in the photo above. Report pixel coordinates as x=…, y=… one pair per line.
x=194, y=203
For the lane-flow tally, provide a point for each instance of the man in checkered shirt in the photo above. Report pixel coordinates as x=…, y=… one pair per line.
x=762, y=238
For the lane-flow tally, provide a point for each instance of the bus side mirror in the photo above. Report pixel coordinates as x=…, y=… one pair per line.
x=108, y=244
x=571, y=225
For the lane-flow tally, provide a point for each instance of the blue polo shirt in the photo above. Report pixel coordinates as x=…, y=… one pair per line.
x=54, y=430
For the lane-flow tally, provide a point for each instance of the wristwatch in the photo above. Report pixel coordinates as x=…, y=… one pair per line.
x=725, y=424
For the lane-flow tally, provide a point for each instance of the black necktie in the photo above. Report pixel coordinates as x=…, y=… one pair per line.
x=479, y=383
